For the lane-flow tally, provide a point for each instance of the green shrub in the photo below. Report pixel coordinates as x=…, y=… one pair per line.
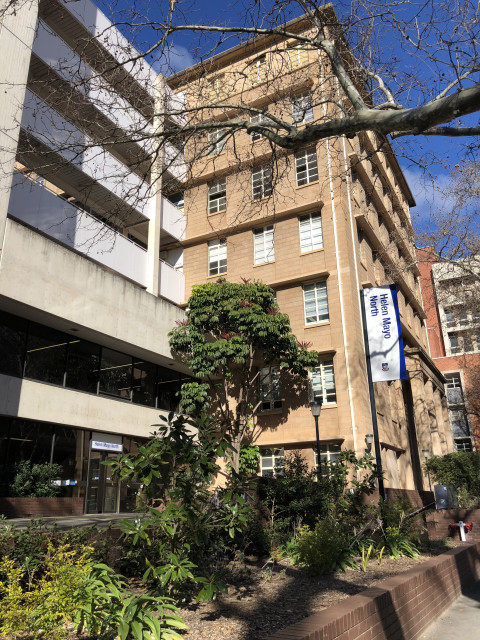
x=397, y=544
x=35, y=480
x=461, y=470
x=325, y=549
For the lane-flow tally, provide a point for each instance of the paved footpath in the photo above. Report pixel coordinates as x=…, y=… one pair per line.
x=101, y=521
x=461, y=620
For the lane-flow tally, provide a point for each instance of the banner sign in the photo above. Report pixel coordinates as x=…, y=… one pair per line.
x=106, y=442
x=385, y=344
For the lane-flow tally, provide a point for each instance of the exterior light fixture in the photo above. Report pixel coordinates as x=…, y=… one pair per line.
x=369, y=441
x=316, y=408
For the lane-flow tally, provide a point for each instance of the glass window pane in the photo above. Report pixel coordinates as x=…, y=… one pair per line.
x=46, y=354
x=116, y=374
x=82, y=365
x=168, y=387
x=144, y=383
x=13, y=335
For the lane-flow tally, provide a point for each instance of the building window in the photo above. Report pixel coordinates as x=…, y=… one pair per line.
x=454, y=388
x=297, y=56
x=257, y=70
x=260, y=119
x=311, y=234
x=315, y=302
x=115, y=374
x=449, y=318
x=217, y=196
x=217, y=257
x=262, y=182
x=216, y=88
x=270, y=392
x=302, y=107
x=272, y=462
x=454, y=342
x=457, y=412
x=216, y=142
x=322, y=383
x=306, y=168
x=463, y=444
x=329, y=452
x=46, y=354
x=263, y=245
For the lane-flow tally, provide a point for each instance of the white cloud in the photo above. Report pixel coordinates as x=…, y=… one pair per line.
x=431, y=196
x=174, y=59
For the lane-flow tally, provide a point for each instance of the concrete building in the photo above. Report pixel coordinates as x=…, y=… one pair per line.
x=451, y=300
x=85, y=302
x=317, y=224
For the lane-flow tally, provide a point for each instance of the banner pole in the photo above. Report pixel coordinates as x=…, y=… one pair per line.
x=373, y=407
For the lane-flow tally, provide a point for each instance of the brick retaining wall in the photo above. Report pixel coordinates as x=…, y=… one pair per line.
x=40, y=507
x=438, y=523
x=400, y=608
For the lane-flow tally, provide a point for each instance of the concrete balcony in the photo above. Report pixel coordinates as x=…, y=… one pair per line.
x=74, y=146
x=174, y=162
x=70, y=225
x=173, y=220
x=171, y=283
x=55, y=53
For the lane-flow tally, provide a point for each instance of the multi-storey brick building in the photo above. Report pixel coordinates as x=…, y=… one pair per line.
x=317, y=224
x=451, y=300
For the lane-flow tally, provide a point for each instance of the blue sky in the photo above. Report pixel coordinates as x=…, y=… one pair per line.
x=186, y=48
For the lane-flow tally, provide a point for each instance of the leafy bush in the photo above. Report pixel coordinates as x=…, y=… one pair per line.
x=397, y=544
x=187, y=527
x=327, y=548
x=75, y=589
x=461, y=470
x=396, y=513
x=297, y=497
x=35, y=480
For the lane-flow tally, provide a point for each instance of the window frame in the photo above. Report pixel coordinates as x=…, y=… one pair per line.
x=301, y=112
x=264, y=244
x=257, y=70
x=306, y=163
x=277, y=455
x=320, y=318
x=217, y=254
x=327, y=393
x=269, y=389
x=217, y=196
x=307, y=228
x=217, y=142
x=262, y=182
x=299, y=52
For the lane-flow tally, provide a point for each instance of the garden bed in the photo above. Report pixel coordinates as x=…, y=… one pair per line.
x=263, y=599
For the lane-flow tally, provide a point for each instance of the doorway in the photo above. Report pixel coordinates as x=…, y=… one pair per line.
x=102, y=493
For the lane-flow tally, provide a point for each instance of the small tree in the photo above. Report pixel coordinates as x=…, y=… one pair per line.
x=232, y=331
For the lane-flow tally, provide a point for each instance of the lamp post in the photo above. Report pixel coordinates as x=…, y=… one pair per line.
x=426, y=453
x=316, y=407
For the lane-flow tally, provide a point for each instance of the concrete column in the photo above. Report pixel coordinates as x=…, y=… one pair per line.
x=155, y=208
x=17, y=30
x=444, y=430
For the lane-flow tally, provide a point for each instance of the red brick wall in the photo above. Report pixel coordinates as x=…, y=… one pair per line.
x=438, y=523
x=40, y=507
x=400, y=608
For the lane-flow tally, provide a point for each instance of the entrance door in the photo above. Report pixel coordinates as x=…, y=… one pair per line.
x=102, y=492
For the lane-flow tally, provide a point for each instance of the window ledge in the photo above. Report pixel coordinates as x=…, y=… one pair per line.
x=317, y=324
x=307, y=253
x=308, y=184
x=262, y=264
x=269, y=412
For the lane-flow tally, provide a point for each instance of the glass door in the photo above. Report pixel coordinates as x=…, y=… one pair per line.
x=102, y=492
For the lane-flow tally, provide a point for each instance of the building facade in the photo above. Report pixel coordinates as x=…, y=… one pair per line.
x=317, y=224
x=85, y=301
x=451, y=297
